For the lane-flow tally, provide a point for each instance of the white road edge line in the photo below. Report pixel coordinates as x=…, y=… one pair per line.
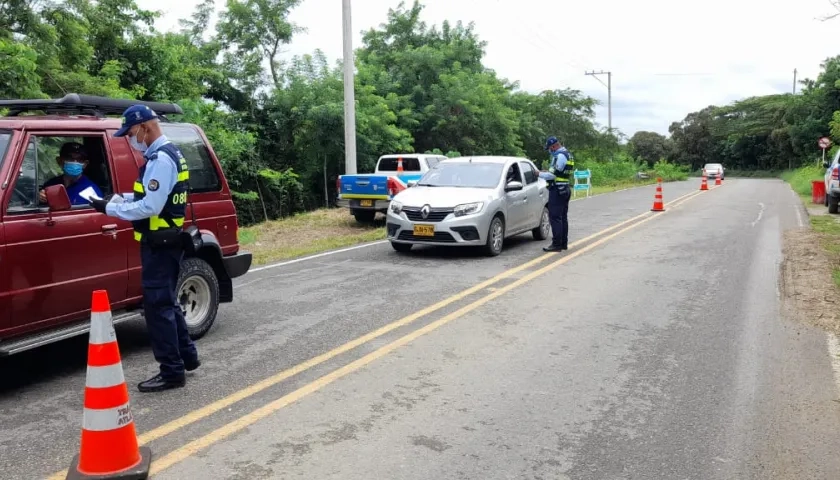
x=312, y=257
x=760, y=213
x=834, y=353
x=796, y=208
x=380, y=242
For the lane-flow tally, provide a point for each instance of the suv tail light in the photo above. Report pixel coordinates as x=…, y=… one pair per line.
x=835, y=173
x=338, y=185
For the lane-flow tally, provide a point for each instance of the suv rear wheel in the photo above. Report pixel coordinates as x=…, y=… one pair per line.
x=832, y=204
x=198, y=294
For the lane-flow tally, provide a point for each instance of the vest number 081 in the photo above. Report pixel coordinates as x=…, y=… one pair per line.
x=179, y=198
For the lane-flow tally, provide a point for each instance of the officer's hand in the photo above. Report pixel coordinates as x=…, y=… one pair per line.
x=98, y=205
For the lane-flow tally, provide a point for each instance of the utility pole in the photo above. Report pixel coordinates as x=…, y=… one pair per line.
x=595, y=74
x=349, y=93
x=794, y=81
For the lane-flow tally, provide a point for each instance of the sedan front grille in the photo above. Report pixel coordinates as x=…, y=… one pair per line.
x=435, y=214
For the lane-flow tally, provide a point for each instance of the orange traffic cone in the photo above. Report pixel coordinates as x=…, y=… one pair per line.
x=109, y=446
x=703, y=184
x=399, y=166
x=658, y=206
x=717, y=181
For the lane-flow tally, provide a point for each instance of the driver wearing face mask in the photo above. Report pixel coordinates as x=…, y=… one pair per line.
x=73, y=160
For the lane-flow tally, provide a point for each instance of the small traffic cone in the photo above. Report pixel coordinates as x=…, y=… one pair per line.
x=658, y=206
x=717, y=181
x=703, y=184
x=399, y=166
x=109, y=448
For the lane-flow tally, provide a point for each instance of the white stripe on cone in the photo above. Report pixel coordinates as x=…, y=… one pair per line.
x=104, y=377
x=102, y=420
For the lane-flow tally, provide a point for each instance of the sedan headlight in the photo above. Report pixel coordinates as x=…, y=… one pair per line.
x=468, y=208
x=395, y=207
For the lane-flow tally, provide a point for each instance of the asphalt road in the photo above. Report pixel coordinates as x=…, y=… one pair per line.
x=655, y=350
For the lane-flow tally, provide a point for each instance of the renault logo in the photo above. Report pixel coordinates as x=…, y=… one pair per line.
x=424, y=212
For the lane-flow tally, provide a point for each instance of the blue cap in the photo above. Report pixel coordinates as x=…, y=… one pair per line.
x=551, y=141
x=135, y=115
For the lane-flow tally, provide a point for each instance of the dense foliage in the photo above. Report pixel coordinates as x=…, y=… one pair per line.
x=277, y=123
x=764, y=133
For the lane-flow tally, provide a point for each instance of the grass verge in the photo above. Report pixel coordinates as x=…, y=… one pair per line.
x=328, y=229
x=828, y=228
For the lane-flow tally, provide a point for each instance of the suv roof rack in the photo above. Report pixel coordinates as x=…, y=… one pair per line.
x=86, y=104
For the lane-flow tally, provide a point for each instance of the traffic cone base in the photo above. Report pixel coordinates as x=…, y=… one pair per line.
x=109, y=448
x=137, y=472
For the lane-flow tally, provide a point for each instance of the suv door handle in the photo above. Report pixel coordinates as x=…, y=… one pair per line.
x=110, y=228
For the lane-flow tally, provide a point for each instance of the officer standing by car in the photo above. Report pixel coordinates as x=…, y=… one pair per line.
x=156, y=210
x=559, y=192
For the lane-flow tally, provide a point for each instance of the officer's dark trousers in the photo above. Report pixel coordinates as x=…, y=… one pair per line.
x=558, y=214
x=171, y=343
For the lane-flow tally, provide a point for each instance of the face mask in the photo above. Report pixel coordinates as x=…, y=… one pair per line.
x=73, y=169
x=140, y=147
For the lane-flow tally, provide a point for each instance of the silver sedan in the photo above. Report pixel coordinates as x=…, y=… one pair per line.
x=471, y=201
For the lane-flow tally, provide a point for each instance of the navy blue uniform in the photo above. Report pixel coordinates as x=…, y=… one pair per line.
x=559, y=194
x=157, y=209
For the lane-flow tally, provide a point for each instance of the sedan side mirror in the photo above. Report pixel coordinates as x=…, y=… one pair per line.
x=513, y=186
x=57, y=198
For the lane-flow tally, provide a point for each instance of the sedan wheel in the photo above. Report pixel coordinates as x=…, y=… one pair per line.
x=544, y=229
x=495, y=237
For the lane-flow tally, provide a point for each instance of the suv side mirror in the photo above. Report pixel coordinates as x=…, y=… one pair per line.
x=825, y=164
x=57, y=198
x=513, y=186
x=412, y=183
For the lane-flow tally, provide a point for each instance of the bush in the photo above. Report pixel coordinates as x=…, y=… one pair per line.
x=670, y=172
x=800, y=179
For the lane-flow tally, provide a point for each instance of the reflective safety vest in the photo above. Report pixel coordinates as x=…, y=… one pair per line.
x=173, y=212
x=565, y=175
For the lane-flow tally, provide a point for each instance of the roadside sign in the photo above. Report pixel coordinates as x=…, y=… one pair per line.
x=824, y=143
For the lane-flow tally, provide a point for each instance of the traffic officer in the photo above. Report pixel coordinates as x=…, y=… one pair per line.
x=156, y=210
x=559, y=192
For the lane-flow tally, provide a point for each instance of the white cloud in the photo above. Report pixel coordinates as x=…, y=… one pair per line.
x=742, y=47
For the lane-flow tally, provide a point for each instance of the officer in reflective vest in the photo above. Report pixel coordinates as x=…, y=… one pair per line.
x=559, y=192
x=156, y=209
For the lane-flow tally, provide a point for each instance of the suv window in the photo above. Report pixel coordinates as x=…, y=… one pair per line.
x=529, y=171
x=432, y=161
x=410, y=164
x=40, y=165
x=5, y=139
x=203, y=174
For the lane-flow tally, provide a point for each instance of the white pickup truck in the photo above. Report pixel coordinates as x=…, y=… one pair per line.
x=367, y=193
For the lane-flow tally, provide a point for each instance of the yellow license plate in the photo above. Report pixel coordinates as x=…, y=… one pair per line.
x=424, y=230
x=366, y=202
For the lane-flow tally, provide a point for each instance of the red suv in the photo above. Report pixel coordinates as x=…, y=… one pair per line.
x=54, y=254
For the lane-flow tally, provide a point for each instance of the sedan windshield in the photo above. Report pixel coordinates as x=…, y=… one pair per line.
x=467, y=175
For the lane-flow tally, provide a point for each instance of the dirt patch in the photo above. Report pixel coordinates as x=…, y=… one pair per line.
x=807, y=286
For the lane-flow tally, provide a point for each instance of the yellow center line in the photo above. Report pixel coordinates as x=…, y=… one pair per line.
x=222, y=403
x=252, y=417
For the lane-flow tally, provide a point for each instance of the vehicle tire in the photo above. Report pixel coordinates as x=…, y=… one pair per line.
x=495, y=237
x=401, y=247
x=198, y=294
x=542, y=231
x=832, y=204
x=825, y=199
x=364, y=216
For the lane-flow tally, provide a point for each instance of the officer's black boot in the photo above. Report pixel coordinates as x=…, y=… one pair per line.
x=158, y=383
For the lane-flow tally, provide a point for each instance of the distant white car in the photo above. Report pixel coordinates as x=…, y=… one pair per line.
x=713, y=170
x=466, y=201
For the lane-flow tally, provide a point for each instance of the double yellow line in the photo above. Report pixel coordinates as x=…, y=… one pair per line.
x=205, y=441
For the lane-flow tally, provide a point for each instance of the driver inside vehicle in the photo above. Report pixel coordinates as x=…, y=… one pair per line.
x=73, y=159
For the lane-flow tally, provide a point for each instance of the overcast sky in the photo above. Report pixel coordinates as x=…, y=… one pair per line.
x=668, y=57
